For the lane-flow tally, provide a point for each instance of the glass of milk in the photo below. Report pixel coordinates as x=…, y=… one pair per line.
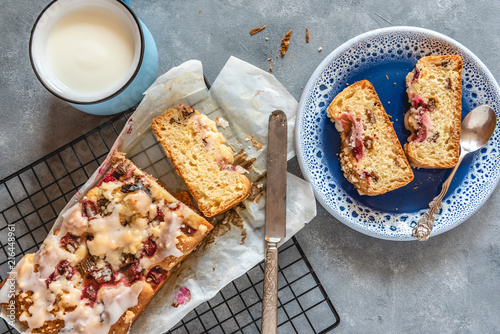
x=94, y=54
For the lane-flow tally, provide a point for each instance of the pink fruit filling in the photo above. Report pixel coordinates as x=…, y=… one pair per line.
x=156, y=275
x=182, y=297
x=149, y=248
x=131, y=272
x=64, y=268
x=70, y=242
x=367, y=175
x=187, y=230
x=354, y=129
x=90, y=209
x=90, y=290
x=416, y=75
x=421, y=110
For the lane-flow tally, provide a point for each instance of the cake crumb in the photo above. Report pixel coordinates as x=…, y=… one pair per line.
x=307, y=35
x=129, y=317
x=388, y=102
x=270, y=68
x=267, y=39
x=285, y=43
x=394, y=84
x=221, y=122
x=256, y=144
x=387, y=77
x=257, y=30
x=346, y=84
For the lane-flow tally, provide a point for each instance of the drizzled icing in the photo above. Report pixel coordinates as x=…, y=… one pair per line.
x=167, y=233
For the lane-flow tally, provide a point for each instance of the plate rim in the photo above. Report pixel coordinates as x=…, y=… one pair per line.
x=313, y=78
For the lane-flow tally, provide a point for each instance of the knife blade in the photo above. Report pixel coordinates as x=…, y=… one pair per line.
x=275, y=216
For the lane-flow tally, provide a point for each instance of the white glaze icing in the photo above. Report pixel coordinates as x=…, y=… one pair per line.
x=167, y=233
x=73, y=221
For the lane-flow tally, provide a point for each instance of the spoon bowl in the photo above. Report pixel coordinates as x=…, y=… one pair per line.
x=477, y=128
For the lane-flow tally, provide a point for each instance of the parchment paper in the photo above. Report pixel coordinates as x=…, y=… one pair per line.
x=245, y=96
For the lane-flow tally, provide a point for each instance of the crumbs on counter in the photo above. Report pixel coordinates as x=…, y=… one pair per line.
x=394, y=84
x=387, y=77
x=320, y=49
x=221, y=122
x=307, y=35
x=267, y=39
x=285, y=43
x=257, y=30
x=256, y=144
x=270, y=68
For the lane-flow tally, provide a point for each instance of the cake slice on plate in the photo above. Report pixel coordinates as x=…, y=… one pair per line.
x=434, y=90
x=371, y=156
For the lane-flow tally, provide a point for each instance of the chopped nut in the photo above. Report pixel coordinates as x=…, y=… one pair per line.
x=256, y=30
x=368, y=142
x=435, y=137
x=370, y=115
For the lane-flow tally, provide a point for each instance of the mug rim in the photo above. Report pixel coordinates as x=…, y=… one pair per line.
x=120, y=90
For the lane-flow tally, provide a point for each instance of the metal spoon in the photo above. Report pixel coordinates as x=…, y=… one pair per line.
x=477, y=128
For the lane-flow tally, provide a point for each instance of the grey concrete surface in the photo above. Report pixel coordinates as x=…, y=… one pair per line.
x=450, y=284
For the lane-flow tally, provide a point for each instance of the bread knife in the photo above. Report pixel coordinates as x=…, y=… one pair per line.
x=275, y=216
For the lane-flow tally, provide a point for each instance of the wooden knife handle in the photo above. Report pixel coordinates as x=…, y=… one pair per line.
x=270, y=297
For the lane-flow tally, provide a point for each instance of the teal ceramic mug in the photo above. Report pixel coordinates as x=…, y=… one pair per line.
x=94, y=54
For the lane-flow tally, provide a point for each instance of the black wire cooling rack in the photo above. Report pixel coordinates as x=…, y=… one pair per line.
x=31, y=199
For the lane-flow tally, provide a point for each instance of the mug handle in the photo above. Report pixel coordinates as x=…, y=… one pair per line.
x=127, y=2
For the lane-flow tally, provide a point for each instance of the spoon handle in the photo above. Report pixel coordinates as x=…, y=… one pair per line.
x=426, y=223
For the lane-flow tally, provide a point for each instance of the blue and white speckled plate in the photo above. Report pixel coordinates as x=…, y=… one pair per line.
x=385, y=57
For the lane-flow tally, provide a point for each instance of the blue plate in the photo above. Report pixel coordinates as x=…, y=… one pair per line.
x=384, y=57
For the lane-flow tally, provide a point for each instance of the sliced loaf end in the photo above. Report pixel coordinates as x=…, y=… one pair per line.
x=200, y=157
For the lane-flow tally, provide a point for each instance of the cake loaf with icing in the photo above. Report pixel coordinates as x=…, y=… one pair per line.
x=114, y=250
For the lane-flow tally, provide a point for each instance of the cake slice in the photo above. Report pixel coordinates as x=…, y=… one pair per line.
x=200, y=157
x=114, y=250
x=434, y=90
x=371, y=156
